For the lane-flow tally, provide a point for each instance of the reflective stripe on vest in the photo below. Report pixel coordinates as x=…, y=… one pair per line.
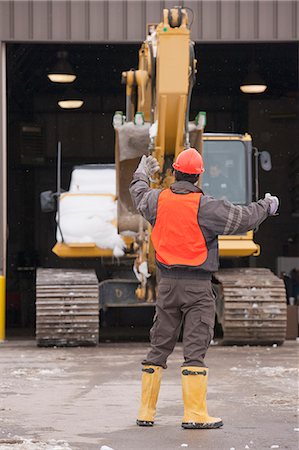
x=176, y=236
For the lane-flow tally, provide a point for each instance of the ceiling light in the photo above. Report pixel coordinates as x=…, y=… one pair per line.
x=62, y=72
x=70, y=104
x=71, y=100
x=253, y=83
x=253, y=88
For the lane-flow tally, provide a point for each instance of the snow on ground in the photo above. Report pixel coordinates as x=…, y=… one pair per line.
x=36, y=371
x=265, y=371
x=31, y=444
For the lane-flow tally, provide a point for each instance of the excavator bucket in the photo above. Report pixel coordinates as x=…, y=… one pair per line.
x=131, y=142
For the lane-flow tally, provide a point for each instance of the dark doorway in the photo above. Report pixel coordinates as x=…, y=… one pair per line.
x=36, y=123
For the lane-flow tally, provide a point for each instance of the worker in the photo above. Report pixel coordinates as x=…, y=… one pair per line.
x=186, y=224
x=216, y=183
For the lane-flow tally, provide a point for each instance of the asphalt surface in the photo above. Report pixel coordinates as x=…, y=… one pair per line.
x=87, y=398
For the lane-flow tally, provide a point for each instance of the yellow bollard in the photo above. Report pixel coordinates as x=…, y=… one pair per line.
x=2, y=308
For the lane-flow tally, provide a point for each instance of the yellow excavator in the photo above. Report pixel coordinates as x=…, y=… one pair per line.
x=251, y=303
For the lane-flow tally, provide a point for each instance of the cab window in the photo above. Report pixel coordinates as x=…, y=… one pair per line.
x=225, y=171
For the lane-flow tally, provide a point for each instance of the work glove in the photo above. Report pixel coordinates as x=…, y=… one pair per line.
x=148, y=166
x=273, y=207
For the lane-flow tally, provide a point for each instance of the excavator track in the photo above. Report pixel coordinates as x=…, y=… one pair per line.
x=67, y=307
x=251, y=306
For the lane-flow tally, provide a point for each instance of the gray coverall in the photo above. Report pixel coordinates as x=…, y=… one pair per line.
x=185, y=297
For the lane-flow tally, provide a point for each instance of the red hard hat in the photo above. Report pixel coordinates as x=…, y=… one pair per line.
x=189, y=161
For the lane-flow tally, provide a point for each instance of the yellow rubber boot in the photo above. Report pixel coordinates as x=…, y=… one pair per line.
x=194, y=384
x=151, y=380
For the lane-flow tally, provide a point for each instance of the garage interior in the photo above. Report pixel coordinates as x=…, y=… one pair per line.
x=36, y=123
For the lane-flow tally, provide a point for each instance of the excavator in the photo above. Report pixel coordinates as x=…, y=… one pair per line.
x=250, y=302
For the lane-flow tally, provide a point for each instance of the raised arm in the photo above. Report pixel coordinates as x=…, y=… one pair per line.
x=145, y=199
x=221, y=217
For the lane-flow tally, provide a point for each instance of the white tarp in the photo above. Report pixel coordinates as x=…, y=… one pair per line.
x=88, y=211
x=94, y=179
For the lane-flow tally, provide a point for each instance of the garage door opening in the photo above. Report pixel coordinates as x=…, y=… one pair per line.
x=36, y=123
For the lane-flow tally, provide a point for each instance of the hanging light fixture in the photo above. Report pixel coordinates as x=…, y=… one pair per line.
x=71, y=100
x=62, y=72
x=253, y=83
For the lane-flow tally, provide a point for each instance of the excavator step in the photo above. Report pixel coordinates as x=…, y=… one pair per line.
x=67, y=307
x=251, y=306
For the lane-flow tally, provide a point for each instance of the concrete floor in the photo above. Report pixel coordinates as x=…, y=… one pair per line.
x=87, y=398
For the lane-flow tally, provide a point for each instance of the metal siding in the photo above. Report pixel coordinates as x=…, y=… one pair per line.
x=229, y=15
x=136, y=20
x=87, y=19
x=4, y=20
x=115, y=21
x=199, y=22
x=295, y=19
x=124, y=21
x=246, y=20
x=265, y=20
x=285, y=21
x=79, y=29
x=209, y=20
x=60, y=21
x=21, y=20
x=275, y=19
x=40, y=20
x=98, y=19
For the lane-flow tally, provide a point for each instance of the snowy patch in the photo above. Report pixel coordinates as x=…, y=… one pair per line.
x=20, y=372
x=93, y=179
x=266, y=371
x=32, y=371
x=32, y=444
x=50, y=371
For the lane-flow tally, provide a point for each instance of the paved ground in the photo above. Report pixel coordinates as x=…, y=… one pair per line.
x=86, y=399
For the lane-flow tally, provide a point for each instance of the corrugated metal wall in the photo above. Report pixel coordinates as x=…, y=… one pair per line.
x=125, y=21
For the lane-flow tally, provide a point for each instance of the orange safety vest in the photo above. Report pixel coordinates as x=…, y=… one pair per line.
x=176, y=235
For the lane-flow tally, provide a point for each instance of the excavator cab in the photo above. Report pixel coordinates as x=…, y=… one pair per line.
x=228, y=176
x=228, y=167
